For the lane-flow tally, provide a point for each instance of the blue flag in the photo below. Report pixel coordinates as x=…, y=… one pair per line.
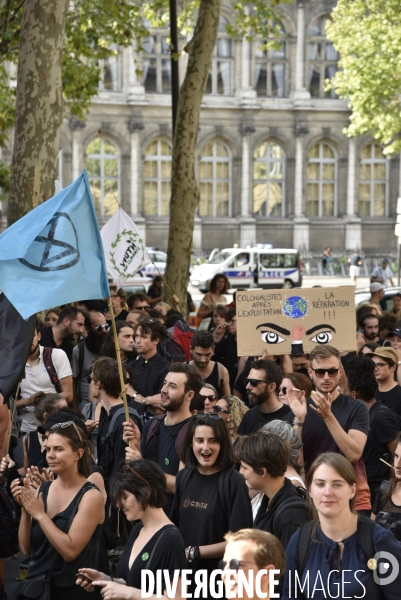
x=54, y=254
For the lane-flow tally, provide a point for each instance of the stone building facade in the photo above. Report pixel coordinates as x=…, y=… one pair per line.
x=273, y=162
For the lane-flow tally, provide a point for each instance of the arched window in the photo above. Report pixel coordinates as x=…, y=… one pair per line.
x=373, y=182
x=220, y=77
x=103, y=166
x=156, y=64
x=323, y=59
x=271, y=68
x=321, y=181
x=268, y=180
x=157, y=176
x=215, y=180
x=110, y=72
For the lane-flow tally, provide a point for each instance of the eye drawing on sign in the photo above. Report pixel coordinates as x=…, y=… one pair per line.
x=296, y=307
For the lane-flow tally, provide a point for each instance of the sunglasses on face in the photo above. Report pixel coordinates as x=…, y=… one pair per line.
x=254, y=382
x=203, y=415
x=322, y=372
x=218, y=409
x=234, y=564
x=211, y=397
x=100, y=328
x=142, y=307
x=283, y=390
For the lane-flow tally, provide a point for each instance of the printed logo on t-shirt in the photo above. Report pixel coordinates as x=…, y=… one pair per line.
x=194, y=504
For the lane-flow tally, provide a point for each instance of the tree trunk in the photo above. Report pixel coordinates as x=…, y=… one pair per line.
x=184, y=187
x=39, y=106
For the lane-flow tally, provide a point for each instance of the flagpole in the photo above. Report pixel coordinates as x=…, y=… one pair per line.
x=118, y=355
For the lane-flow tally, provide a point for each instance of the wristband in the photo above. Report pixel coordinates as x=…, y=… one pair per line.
x=134, y=395
x=143, y=400
x=192, y=553
x=298, y=423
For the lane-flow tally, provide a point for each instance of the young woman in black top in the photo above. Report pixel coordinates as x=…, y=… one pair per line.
x=45, y=517
x=139, y=488
x=211, y=496
x=388, y=501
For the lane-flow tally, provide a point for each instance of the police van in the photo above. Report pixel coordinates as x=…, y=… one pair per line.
x=262, y=266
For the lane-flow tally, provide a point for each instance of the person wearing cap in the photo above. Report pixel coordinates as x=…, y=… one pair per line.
x=383, y=274
x=386, y=364
x=376, y=295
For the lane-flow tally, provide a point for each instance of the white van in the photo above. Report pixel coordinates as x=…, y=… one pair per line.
x=276, y=268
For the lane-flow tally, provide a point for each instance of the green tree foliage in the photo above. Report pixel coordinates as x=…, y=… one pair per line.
x=367, y=34
x=92, y=27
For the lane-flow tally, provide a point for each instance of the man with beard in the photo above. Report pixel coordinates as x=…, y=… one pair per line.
x=37, y=379
x=262, y=385
x=202, y=348
x=69, y=326
x=162, y=436
x=85, y=353
x=330, y=421
x=369, y=326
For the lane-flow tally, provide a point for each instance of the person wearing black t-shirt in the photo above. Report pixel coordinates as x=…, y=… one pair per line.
x=332, y=421
x=211, y=497
x=154, y=543
x=389, y=392
x=264, y=460
x=149, y=370
x=384, y=424
x=162, y=437
x=262, y=385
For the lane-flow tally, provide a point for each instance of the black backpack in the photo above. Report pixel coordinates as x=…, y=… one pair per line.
x=365, y=538
x=288, y=503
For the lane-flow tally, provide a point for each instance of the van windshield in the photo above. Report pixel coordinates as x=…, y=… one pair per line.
x=219, y=258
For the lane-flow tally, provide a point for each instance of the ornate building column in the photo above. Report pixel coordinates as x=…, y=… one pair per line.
x=136, y=90
x=247, y=222
x=300, y=91
x=353, y=226
x=75, y=125
x=134, y=128
x=301, y=223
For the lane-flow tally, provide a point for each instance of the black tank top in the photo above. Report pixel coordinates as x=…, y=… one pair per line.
x=213, y=379
x=42, y=552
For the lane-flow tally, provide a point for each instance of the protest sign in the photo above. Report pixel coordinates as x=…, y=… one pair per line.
x=295, y=321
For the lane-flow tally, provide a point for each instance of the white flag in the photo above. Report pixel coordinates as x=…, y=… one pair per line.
x=123, y=247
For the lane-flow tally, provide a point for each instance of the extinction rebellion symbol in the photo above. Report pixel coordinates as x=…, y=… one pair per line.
x=49, y=260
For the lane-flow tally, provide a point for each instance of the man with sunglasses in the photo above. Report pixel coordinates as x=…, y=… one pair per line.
x=330, y=421
x=262, y=385
x=261, y=558
x=85, y=353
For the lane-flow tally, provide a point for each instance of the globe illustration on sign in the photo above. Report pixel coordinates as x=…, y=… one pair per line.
x=295, y=307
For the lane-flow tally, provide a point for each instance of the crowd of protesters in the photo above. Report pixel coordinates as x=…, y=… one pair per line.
x=287, y=468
